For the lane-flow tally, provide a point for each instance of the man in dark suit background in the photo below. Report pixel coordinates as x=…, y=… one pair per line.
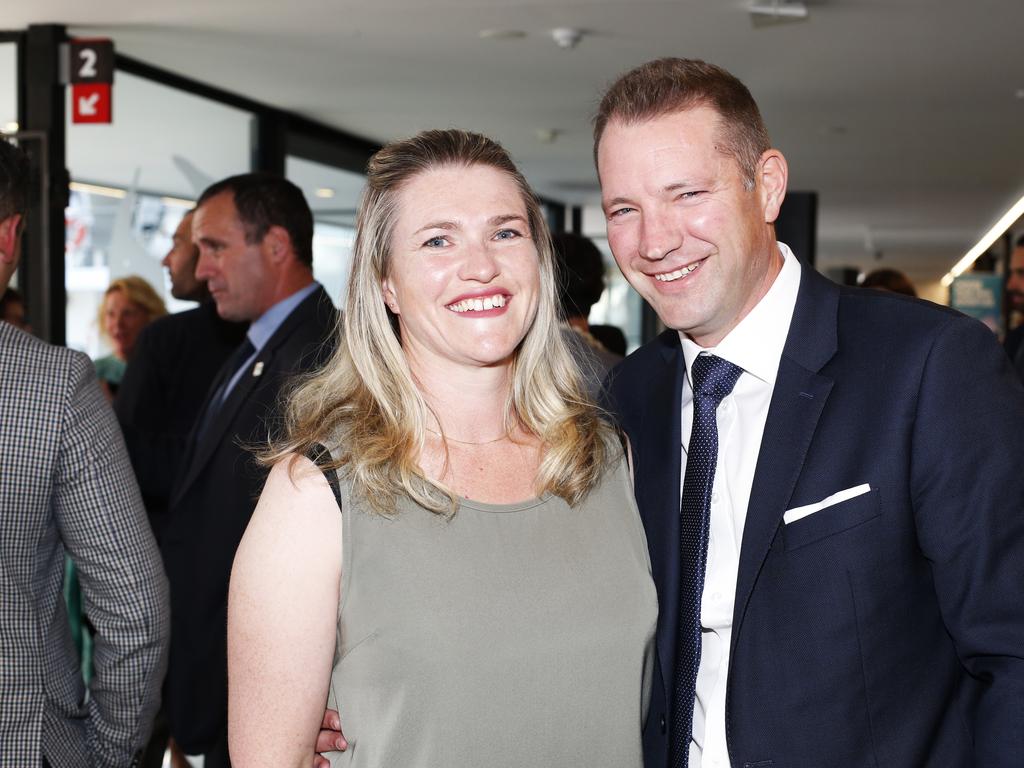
x=841, y=584
x=255, y=239
x=175, y=361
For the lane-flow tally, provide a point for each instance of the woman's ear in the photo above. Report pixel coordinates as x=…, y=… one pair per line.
x=390, y=299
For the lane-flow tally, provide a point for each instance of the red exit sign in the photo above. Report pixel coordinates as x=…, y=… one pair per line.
x=91, y=103
x=92, y=74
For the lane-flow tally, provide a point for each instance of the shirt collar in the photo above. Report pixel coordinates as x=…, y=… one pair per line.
x=266, y=325
x=756, y=343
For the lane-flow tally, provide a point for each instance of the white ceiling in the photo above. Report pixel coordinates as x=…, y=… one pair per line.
x=906, y=116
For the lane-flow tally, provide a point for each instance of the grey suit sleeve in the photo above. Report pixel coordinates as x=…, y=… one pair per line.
x=102, y=521
x=968, y=494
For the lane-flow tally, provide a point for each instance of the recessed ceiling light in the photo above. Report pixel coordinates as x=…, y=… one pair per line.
x=325, y=192
x=502, y=34
x=546, y=135
x=11, y=127
x=1019, y=95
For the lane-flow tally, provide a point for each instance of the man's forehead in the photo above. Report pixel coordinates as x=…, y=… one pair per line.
x=219, y=211
x=184, y=227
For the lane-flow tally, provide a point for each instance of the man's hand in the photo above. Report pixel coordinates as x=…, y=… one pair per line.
x=329, y=739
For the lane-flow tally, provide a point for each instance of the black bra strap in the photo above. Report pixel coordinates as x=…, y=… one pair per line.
x=320, y=456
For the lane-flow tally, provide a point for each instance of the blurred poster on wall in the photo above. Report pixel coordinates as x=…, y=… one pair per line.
x=980, y=296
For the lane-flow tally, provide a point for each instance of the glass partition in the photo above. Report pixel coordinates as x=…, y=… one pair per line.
x=333, y=195
x=8, y=87
x=132, y=181
x=9, y=96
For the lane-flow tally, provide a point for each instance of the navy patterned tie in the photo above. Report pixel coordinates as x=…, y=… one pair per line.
x=713, y=378
x=242, y=353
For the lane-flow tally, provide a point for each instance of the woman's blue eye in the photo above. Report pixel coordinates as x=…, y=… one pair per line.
x=506, y=234
x=435, y=242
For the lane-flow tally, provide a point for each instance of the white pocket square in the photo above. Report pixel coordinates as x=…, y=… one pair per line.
x=798, y=513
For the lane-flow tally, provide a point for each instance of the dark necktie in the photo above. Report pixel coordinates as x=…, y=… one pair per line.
x=244, y=351
x=713, y=378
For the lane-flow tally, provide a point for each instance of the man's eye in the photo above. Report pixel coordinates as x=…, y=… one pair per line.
x=618, y=212
x=690, y=195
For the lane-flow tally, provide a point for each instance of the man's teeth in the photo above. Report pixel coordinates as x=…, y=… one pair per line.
x=668, y=277
x=479, y=305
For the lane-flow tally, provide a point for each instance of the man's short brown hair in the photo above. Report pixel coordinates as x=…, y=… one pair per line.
x=671, y=85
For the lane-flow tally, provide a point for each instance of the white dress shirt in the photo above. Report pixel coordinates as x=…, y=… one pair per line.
x=755, y=345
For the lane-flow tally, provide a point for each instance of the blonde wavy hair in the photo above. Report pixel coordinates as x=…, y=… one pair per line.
x=139, y=292
x=365, y=403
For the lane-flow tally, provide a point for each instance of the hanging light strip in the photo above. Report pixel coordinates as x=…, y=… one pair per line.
x=1015, y=212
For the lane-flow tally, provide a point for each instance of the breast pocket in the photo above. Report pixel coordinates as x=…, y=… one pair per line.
x=832, y=520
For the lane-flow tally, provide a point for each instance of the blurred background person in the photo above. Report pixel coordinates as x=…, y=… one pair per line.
x=891, y=280
x=1014, y=341
x=12, y=309
x=175, y=361
x=611, y=337
x=128, y=306
x=580, y=285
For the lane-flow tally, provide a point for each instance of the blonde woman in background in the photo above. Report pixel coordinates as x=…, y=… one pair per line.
x=460, y=570
x=129, y=305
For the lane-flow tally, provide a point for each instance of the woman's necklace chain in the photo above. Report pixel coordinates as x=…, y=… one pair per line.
x=468, y=442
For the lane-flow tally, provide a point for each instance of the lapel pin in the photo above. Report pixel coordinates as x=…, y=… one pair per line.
x=257, y=370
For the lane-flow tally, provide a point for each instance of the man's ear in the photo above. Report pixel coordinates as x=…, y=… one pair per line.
x=9, y=232
x=772, y=176
x=277, y=243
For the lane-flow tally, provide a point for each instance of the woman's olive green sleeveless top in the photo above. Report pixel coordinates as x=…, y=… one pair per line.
x=507, y=636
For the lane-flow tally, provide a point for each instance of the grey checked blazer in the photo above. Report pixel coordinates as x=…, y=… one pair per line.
x=66, y=486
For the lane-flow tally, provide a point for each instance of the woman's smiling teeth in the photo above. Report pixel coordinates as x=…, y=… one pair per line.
x=479, y=305
x=668, y=277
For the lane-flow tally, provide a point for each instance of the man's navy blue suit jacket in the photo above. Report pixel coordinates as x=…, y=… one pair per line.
x=886, y=630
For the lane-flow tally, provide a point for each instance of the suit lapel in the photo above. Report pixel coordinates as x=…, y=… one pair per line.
x=264, y=364
x=226, y=413
x=797, y=403
x=658, y=486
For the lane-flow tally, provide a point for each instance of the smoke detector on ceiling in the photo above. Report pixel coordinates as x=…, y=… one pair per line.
x=764, y=12
x=566, y=37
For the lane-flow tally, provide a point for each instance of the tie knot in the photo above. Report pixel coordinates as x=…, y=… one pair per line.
x=713, y=378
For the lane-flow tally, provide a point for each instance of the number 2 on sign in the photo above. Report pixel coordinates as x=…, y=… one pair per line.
x=88, y=68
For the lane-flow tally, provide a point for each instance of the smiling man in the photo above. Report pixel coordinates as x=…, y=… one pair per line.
x=831, y=479
x=255, y=238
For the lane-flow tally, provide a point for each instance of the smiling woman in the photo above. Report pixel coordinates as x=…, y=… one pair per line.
x=447, y=550
x=463, y=280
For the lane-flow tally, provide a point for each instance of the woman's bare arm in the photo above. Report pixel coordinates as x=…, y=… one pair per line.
x=282, y=619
